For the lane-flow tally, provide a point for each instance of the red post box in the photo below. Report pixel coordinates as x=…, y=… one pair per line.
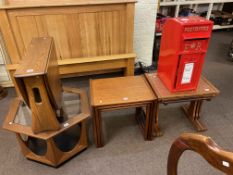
x=183, y=47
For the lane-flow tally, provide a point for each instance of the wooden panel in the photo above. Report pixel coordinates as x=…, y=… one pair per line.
x=77, y=31
x=43, y=115
x=92, y=66
x=35, y=3
x=120, y=61
x=79, y=28
x=8, y=37
x=129, y=27
x=74, y=35
x=52, y=79
x=28, y=29
x=36, y=59
x=56, y=28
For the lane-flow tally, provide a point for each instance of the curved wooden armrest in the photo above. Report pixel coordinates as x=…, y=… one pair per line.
x=206, y=147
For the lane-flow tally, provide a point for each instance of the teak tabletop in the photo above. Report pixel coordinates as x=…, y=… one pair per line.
x=204, y=89
x=122, y=90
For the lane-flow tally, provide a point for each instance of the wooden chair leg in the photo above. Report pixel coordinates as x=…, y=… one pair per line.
x=192, y=111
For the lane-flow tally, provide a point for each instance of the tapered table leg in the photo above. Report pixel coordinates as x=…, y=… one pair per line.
x=157, y=132
x=141, y=118
x=192, y=111
x=97, y=128
x=149, y=122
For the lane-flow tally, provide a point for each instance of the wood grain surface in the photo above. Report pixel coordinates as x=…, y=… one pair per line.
x=204, y=89
x=36, y=3
x=204, y=146
x=113, y=91
x=82, y=31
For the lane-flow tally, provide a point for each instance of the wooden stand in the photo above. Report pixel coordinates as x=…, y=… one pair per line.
x=53, y=154
x=37, y=79
x=205, y=91
x=41, y=132
x=118, y=93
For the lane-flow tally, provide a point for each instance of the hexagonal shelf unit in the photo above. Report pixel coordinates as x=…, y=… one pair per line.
x=52, y=147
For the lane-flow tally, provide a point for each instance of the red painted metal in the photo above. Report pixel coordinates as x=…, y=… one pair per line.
x=183, y=47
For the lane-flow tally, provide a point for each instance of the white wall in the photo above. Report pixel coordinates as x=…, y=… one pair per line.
x=145, y=15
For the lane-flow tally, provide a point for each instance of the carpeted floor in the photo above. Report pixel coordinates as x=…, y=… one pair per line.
x=126, y=152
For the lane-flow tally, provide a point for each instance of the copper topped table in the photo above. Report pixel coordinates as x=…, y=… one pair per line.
x=118, y=93
x=204, y=91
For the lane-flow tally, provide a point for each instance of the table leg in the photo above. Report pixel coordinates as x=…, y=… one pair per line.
x=97, y=128
x=157, y=132
x=192, y=111
x=145, y=120
x=149, y=122
x=141, y=119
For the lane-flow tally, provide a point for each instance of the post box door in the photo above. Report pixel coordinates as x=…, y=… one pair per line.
x=189, y=71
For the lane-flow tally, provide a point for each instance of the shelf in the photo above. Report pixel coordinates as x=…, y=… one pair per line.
x=216, y=27
x=174, y=3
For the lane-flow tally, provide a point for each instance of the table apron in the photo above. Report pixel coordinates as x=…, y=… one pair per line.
x=123, y=106
x=184, y=100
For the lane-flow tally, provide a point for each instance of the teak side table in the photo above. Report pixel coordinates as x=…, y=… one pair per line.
x=118, y=93
x=204, y=91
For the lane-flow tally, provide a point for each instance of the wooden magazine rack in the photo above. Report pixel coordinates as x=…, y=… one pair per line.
x=91, y=36
x=49, y=121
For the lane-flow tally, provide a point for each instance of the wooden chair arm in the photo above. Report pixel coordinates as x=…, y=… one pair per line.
x=206, y=147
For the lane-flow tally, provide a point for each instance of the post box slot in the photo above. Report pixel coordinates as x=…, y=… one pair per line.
x=194, y=45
